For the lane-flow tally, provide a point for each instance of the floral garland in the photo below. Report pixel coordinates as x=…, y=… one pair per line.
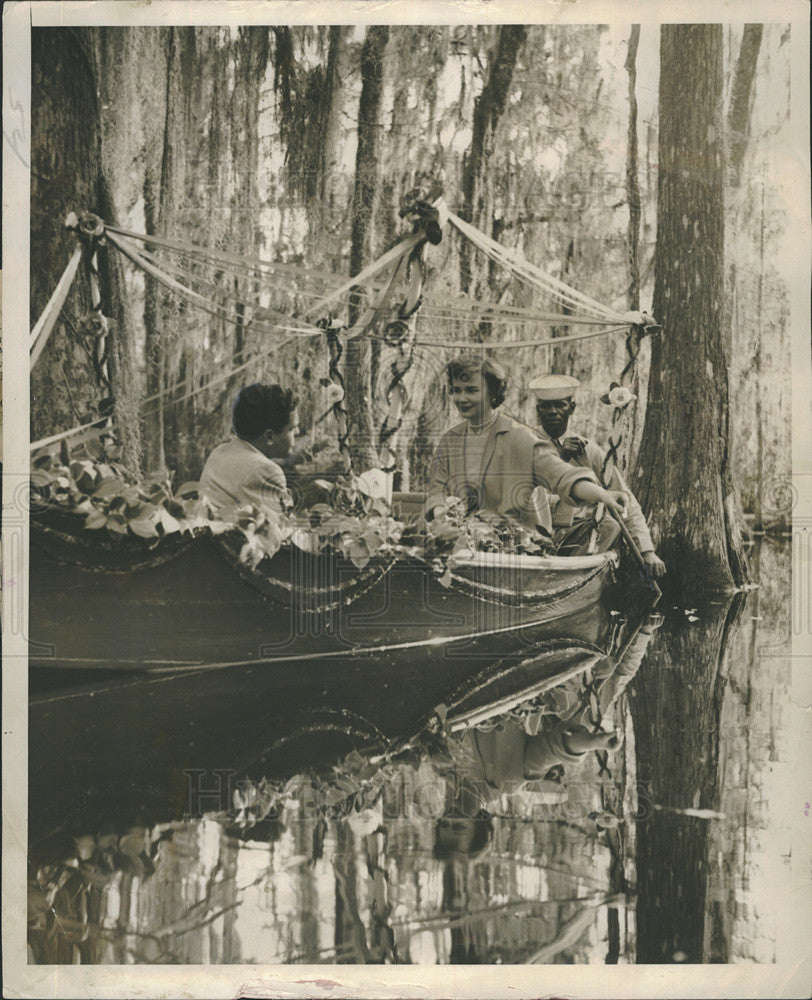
x=355, y=520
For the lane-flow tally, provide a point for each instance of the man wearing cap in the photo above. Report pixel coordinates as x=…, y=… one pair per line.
x=554, y=406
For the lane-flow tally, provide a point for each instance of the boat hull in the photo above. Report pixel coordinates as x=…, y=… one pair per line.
x=202, y=608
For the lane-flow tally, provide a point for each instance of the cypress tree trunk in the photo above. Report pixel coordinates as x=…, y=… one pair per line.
x=153, y=430
x=741, y=98
x=327, y=240
x=162, y=201
x=488, y=110
x=685, y=441
x=177, y=326
x=634, y=415
x=358, y=363
x=632, y=182
x=65, y=176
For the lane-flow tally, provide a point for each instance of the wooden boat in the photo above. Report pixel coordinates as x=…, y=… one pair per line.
x=101, y=606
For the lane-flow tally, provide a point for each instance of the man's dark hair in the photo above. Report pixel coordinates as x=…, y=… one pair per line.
x=259, y=408
x=495, y=376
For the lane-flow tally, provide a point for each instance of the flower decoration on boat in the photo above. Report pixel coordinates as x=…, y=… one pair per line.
x=334, y=393
x=264, y=536
x=365, y=821
x=372, y=483
x=454, y=535
x=618, y=396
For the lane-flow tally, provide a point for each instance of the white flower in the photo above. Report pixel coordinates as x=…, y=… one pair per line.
x=365, y=821
x=372, y=484
x=620, y=396
x=334, y=393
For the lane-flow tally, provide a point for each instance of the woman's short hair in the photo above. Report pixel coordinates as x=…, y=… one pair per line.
x=259, y=408
x=494, y=375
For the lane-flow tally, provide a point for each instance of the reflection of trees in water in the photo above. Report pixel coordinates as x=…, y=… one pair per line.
x=196, y=905
x=676, y=715
x=707, y=720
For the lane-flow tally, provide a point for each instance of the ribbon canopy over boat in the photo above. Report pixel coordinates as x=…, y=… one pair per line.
x=151, y=581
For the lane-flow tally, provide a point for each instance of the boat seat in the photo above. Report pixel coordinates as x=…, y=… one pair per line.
x=405, y=504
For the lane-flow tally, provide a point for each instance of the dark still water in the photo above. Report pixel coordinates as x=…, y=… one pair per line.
x=615, y=797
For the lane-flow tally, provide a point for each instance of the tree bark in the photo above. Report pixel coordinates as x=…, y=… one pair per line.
x=634, y=412
x=632, y=183
x=488, y=110
x=154, y=460
x=741, y=99
x=685, y=440
x=330, y=114
x=315, y=169
x=178, y=326
x=65, y=176
x=163, y=198
x=358, y=359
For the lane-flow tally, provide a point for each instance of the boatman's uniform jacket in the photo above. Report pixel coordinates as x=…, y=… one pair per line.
x=564, y=515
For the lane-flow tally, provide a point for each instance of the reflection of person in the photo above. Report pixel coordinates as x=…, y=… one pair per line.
x=494, y=463
x=244, y=470
x=554, y=406
x=508, y=758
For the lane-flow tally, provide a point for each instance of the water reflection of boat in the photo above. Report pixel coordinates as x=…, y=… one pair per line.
x=567, y=677
x=373, y=788
x=115, y=605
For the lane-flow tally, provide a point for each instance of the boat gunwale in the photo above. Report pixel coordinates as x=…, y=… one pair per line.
x=520, y=560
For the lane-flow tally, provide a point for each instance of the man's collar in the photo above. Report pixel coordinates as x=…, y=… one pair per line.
x=247, y=444
x=569, y=432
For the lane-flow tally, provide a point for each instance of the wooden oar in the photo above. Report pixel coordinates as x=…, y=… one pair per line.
x=636, y=553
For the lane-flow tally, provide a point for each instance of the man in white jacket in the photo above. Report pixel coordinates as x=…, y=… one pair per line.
x=245, y=470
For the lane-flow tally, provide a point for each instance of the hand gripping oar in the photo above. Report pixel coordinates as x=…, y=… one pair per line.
x=638, y=555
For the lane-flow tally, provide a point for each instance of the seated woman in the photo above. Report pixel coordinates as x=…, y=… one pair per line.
x=245, y=469
x=495, y=463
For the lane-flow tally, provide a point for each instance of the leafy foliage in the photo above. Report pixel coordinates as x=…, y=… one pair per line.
x=454, y=532
x=354, y=520
x=110, y=498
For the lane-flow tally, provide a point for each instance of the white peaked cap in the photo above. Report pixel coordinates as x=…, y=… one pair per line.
x=551, y=386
